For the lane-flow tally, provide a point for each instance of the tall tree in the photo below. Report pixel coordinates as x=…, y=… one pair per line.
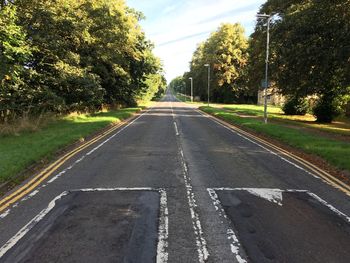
x=226, y=52
x=310, y=49
x=15, y=53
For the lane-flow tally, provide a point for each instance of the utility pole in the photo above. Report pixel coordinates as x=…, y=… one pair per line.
x=208, y=66
x=191, y=88
x=269, y=17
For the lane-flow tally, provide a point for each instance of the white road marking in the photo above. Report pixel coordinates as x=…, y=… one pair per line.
x=265, y=193
x=163, y=228
x=271, y=195
x=54, y=178
x=322, y=201
x=268, y=150
x=332, y=208
x=176, y=129
x=24, y=230
x=4, y=214
x=231, y=236
x=201, y=243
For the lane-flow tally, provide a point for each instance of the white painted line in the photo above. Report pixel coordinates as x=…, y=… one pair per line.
x=266, y=193
x=201, y=243
x=332, y=208
x=114, y=189
x=176, y=129
x=270, y=193
x=54, y=178
x=24, y=230
x=270, y=151
x=163, y=228
x=231, y=236
x=5, y=213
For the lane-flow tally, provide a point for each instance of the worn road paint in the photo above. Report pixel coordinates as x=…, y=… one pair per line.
x=176, y=129
x=163, y=228
x=326, y=178
x=235, y=245
x=24, y=230
x=15, y=198
x=201, y=243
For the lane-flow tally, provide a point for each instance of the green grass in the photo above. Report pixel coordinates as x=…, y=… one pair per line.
x=20, y=151
x=340, y=126
x=335, y=152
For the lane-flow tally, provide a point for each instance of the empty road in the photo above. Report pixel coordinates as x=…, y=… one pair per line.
x=174, y=185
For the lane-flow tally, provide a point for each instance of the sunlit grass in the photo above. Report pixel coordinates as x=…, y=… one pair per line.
x=334, y=151
x=339, y=126
x=19, y=151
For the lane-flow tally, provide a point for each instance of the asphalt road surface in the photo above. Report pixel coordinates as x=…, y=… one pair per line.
x=173, y=185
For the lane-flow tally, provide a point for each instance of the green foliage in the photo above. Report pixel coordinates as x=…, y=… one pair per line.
x=226, y=53
x=326, y=109
x=66, y=56
x=178, y=84
x=310, y=49
x=295, y=106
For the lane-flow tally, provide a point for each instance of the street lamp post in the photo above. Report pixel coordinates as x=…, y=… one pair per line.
x=269, y=17
x=184, y=83
x=191, y=88
x=208, y=65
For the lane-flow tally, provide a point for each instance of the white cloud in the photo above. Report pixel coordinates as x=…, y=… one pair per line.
x=177, y=28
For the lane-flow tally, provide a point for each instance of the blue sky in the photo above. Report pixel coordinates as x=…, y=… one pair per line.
x=176, y=27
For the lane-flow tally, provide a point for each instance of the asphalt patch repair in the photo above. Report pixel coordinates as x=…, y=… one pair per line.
x=296, y=228
x=94, y=226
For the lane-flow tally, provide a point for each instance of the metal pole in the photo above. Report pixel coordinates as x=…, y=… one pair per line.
x=184, y=94
x=191, y=89
x=208, y=65
x=266, y=67
x=208, y=84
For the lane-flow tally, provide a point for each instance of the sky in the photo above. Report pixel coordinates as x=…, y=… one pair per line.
x=176, y=27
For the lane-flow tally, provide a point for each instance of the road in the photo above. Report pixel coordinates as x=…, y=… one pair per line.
x=174, y=185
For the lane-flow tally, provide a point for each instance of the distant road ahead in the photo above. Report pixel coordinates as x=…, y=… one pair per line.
x=174, y=185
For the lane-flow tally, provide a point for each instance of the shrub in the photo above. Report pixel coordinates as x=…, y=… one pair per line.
x=326, y=109
x=295, y=106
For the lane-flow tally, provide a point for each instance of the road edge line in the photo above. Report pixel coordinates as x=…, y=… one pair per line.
x=307, y=166
x=29, y=186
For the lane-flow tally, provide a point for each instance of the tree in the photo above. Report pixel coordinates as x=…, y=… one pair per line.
x=310, y=49
x=226, y=51
x=15, y=53
x=65, y=56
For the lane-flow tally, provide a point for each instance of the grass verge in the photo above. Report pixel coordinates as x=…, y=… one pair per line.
x=17, y=152
x=335, y=152
x=340, y=126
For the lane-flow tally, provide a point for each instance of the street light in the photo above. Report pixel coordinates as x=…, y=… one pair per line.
x=191, y=88
x=269, y=17
x=208, y=65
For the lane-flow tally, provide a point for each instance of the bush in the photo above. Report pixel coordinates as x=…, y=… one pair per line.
x=326, y=109
x=295, y=106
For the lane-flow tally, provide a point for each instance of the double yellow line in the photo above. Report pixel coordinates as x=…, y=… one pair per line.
x=309, y=166
x=39, y=178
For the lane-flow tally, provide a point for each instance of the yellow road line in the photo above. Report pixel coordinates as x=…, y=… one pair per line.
x=311, y=167
x=35, y=181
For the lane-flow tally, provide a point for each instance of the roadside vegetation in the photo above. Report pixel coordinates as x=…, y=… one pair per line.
x=336, y=152
x=340, y=126
x=73, y=56
x=26, y=148
x=308, y=63
x=61, y=63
